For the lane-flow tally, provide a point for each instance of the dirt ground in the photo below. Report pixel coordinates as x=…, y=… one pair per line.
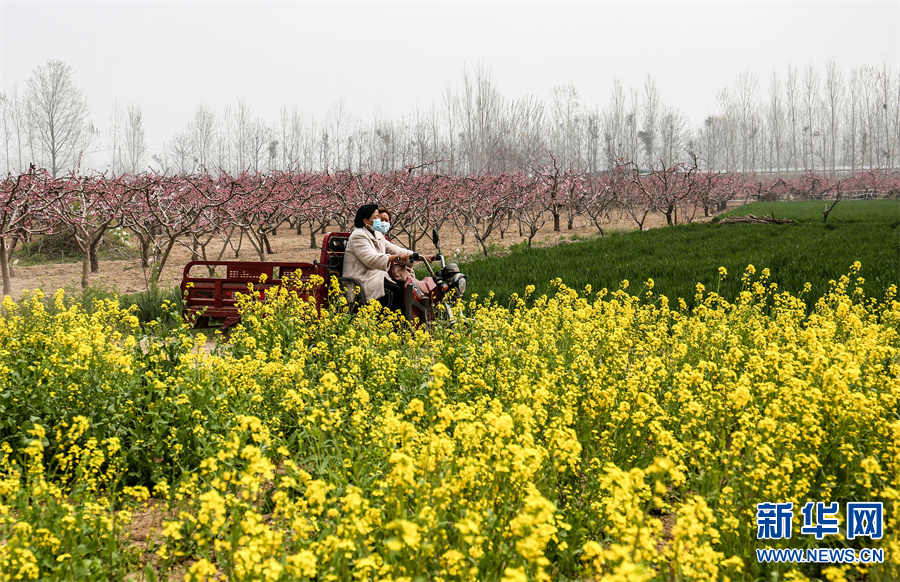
x=127, y=276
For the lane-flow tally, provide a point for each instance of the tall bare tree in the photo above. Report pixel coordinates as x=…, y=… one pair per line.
x=135, y=142
x=834, y=96
x=729, y=142
x=6, y=120
x=791, y=93
x=615, y=134
x=482, y=112
x=851, y=119
x=566, y=134
x=673, y=132
x=58, y=112
x=291, y=130
x=888, y=121
x=338, y=119
x=528, y=142
x=17, y=134
x=894, y=108
x=649, y=132
x=811, y=130
x=775, y=122
x=259, y=144
x=748, y=125
x=202, y=132
x=115, y=135
x=711, y=140
x=179, y=156
x=449, y=99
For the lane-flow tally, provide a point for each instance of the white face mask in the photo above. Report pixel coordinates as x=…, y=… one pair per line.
x=381, y=226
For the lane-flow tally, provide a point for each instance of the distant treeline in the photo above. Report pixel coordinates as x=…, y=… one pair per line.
x=820, y=119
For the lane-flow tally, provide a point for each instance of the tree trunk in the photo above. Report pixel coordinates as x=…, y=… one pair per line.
x=157, y=271
x=85, y=268
x=412, y=238
x=237, y=249
x=92, y=254
x=94, y=245
x=145, y=251
x=4, y=268
x=10, y=252
x=828, y=211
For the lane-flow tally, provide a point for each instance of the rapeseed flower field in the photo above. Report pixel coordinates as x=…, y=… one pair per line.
x=587, y=435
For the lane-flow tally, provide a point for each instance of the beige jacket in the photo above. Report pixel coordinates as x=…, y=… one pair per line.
x=366, y=260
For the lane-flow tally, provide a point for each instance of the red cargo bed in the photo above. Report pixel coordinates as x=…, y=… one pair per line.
x=214, y=296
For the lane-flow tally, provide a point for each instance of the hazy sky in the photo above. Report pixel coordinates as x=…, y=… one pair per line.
x=391, y=57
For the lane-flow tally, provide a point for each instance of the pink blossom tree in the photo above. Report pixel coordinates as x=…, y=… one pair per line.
x=25, y=203
x=88, y=207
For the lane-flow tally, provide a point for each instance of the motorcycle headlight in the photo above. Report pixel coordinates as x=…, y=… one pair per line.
x=459, y=283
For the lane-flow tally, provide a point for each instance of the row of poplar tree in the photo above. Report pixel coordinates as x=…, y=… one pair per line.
x=817, y=118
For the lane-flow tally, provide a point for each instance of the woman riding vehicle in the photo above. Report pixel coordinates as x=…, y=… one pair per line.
x=369, y=256
x=399, y=272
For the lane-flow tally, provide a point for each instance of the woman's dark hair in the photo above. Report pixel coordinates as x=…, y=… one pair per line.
x=364, y=212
